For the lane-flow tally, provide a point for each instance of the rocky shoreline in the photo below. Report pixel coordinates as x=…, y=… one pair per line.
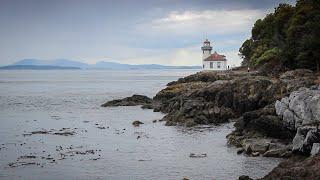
x=274, y=116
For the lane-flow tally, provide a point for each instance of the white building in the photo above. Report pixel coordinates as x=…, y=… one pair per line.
x=213, y=61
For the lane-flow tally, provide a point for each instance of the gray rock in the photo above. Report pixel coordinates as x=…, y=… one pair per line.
x=298, y=140
x=254, y=154
x=193, y=155
x=240, y=150
x=288, y=117
x=129, y=101
x=313, y=136
x=303, y=114
x=305, y=104
x=275, y=153
x=260, y=147
x=278, y=150
x=297, y=122
x=243, y=177
x=256, y=145
x=281, y=106
x=137, y=123
x=315, y=149
x=247, y=148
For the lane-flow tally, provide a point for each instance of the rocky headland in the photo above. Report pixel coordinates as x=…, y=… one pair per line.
x=274, y=116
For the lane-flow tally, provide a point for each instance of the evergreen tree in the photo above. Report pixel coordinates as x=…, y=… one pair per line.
x=288, y=37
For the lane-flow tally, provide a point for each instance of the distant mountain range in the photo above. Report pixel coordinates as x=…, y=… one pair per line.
x=36, y=64
x=36, y=67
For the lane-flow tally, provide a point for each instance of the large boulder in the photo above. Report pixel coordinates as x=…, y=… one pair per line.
x=129, y=101
x=315, y=149
x=301, y=112
x=265, y=123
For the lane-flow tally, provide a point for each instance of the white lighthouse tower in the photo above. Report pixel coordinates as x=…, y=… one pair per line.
x=213, y=62
x=206, y=49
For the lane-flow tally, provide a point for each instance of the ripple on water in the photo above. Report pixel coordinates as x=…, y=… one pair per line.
x=160, y=152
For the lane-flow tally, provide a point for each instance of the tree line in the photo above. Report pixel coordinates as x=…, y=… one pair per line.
x=288, y=38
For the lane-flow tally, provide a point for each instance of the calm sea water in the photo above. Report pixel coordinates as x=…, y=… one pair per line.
x=53, y=100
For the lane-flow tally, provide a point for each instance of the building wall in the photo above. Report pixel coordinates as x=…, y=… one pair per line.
x=206, y=54
x=223, y=65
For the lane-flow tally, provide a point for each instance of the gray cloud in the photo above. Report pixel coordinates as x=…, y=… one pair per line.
x=162, y=31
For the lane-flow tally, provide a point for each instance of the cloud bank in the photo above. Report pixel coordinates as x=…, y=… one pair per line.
x=137, y=32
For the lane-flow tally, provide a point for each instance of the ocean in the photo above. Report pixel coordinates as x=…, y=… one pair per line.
x=52, y=127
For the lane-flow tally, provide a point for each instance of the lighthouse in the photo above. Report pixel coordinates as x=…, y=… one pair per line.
x=206, y=49
x=213, y=62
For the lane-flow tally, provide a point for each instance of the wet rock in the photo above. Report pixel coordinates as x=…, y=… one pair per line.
x=16, y=164
x=28, y=157
x=129, y=101
x=240, y=150
x=67, y=133
x=193, y=155
x=255, y=145
x=61, y=132
x=244, y=177
x=277, y=149
x=94, y=159
x=147, y=106
x=91, y=151
x=145, y=160
x=137, y=123
x=40, y=132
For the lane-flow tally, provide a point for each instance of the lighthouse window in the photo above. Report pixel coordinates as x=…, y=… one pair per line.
x=211, y=65
x=218, y=65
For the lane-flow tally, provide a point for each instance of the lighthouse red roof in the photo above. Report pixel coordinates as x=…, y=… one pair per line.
x=216, y=57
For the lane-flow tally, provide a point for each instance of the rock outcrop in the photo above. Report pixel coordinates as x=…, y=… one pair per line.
x=218, y=101
x=301, y=112
x=129, y=101
x=213, y=97
x=297, y=167
x=264, y=125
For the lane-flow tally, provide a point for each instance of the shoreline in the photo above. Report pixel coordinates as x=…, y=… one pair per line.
x=251, y=100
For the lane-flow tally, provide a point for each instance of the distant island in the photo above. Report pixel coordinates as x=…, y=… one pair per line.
x=36, y=64
x=33, y=67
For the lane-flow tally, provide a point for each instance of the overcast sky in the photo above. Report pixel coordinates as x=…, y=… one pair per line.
x=167, y=32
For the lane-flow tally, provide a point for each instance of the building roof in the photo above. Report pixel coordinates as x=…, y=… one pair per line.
x=206, y=41
x=216, y=57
